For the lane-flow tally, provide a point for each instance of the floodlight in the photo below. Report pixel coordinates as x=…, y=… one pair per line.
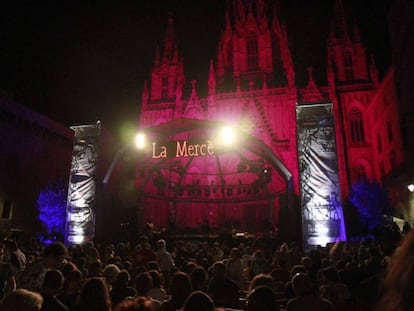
x=227, y=135
x=140, y=140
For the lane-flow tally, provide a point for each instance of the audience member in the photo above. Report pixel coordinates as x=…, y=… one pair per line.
x=306, y=298
x=144, y=253
x=21, y=300
x=294, y=255
x=363, y=251
x=94, y=296
x=258, y=264
x=121, y=289
x=198, y=279
x=71, y=288
x=135, y=304
x=110, y=274
x=399, y=281
x=157, y=291
x=143, y=283
x=216, y=253
x=67, y=268
x=261, y=280
x=53, y=258
x=333, y=290
x=95, y=269
x=52, y=285
x=234, y=267
x=198, y=301
x=180, y=290
x=7, y=280
x=223, y=290
x=338, y=251
x=262, y=298
x=280, y=272
x=14, y=256
x=165, y=260
x=92, y=256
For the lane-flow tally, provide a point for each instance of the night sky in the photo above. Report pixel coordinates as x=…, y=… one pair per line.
x=82, y=61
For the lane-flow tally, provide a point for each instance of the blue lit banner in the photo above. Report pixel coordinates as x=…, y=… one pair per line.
x=322, y=214
x=81, y=203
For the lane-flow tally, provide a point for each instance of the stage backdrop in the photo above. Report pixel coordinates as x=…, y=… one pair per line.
x=322, y=215
x=81, y=203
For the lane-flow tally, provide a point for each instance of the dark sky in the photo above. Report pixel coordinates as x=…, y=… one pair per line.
x=82, y=61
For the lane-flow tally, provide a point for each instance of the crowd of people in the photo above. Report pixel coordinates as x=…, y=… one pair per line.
x=205, y=276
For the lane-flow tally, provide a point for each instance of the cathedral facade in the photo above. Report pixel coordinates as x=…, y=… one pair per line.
x=251, y=84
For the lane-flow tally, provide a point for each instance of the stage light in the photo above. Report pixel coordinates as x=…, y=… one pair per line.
x=140, y=140
x=265, y=175
x=227, y=135
x=410, y=187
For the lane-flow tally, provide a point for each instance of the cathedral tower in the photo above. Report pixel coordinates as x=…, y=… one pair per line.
x=253, y=47
x=163, y=101
x=353, y=81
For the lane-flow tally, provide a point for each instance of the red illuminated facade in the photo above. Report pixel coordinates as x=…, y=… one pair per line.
x=251, y=83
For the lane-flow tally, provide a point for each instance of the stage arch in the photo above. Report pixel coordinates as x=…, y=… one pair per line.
x=239, y=188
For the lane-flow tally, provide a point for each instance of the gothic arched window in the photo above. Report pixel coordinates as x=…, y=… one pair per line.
x=252, y=52
x=356, y=125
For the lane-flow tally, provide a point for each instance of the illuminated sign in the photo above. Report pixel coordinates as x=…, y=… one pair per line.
x=180, y=149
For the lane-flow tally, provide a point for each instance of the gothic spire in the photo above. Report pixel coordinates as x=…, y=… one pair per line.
x=193, y=109
x=373, y=71
x=193, y=89
x=170, y=46
x=145, y=93
x=228, y=21
x=180, y=80
x=356, y=34
x=251, y=21
x=339, y=23
x=250, y=7
x=220, y=61
x=240, y=11
x=260, y=9
x=276, y=22
x=311, y=93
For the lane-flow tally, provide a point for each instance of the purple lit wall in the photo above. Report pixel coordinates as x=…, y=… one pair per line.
x=52, y=207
